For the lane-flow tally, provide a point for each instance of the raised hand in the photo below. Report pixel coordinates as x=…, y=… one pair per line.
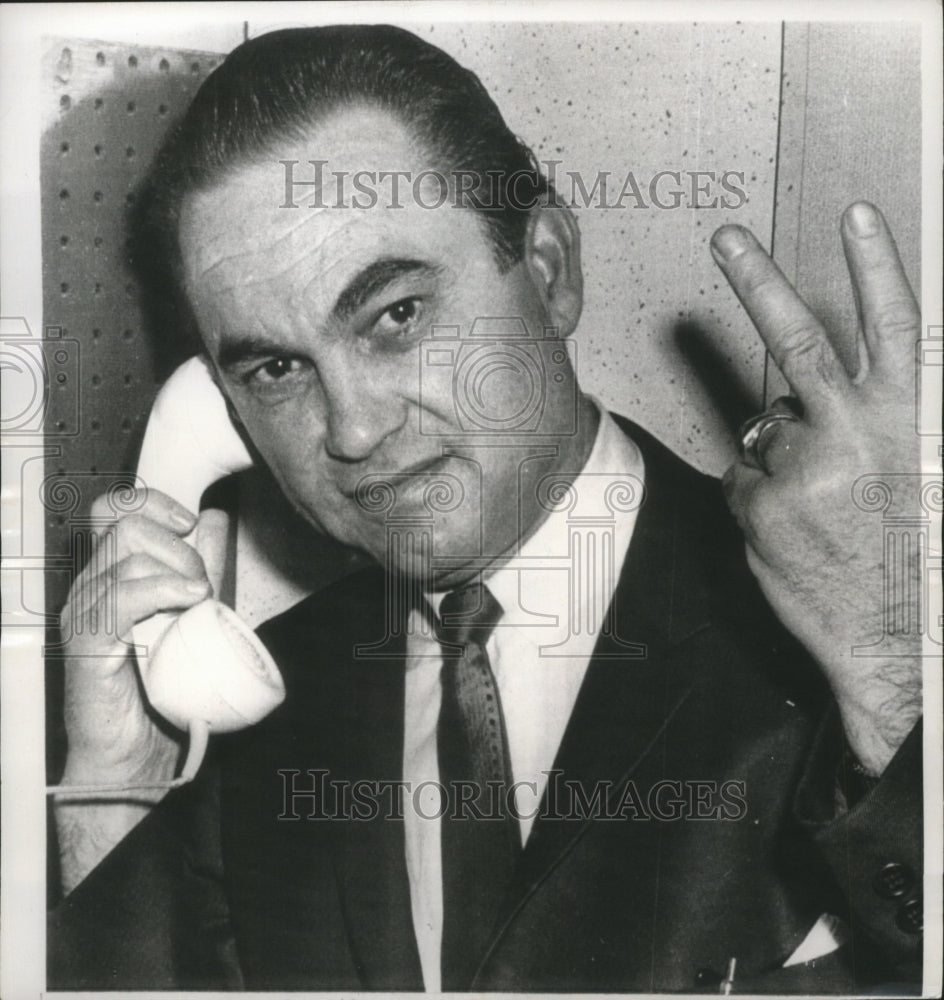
x=819, y=558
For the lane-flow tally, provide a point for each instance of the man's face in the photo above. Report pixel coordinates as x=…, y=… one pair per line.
x=315, y=319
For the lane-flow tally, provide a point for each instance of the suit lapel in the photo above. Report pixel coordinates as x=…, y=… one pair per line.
x=304, y=892
x=371, y=855
x=626, y=700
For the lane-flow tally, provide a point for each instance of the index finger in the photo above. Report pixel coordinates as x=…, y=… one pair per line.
x=793, y=335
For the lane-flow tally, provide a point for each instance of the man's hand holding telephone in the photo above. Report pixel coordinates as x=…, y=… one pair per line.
x=113, y=738
x=202, y=669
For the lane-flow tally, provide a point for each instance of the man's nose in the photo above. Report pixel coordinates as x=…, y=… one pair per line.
x=363, y=411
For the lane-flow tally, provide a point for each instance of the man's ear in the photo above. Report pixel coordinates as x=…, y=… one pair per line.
x=552, y=253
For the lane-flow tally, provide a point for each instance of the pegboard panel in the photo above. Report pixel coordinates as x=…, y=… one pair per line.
x=107, y=108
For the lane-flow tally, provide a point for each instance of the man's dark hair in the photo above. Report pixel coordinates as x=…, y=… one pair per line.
x=278, y=86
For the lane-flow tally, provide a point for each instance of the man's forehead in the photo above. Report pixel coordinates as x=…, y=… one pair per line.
x=249, y=227
x=228, y=239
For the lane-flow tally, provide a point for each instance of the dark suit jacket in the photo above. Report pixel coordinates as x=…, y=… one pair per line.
x=214, y=890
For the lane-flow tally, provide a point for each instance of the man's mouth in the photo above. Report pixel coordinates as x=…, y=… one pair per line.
x=420, y=470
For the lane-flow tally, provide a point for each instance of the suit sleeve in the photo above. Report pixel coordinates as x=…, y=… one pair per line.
x=873, y=846
x=152, y=914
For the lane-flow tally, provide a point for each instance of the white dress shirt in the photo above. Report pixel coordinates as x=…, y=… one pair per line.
x=553, y=594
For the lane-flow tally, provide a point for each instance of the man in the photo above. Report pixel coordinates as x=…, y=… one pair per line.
x=648, y=783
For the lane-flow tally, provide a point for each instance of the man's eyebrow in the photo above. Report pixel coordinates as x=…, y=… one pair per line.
x=233, y=350
x=374, y=279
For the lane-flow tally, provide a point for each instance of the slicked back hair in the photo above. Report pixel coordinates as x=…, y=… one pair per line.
x=279, y=86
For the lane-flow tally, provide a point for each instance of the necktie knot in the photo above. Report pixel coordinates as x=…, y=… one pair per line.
x=468, y=615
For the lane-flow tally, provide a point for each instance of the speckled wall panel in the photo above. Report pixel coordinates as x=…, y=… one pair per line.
x=662, y=338
x=851, y=128
x=107, y=108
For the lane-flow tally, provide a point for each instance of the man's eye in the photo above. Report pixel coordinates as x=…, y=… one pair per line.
x=399, y=317
x=276, y=370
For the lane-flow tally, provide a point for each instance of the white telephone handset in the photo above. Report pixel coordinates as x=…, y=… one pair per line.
x=203, y=670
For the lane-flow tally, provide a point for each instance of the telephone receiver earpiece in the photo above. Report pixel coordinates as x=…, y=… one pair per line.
x=203, y=670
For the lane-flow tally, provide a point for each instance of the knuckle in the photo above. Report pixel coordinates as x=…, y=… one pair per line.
x=898, y=316
x=109, y=532
x=104, y=567
x=138, y=564
x=130, y=526
x=156, y=504
x=137, y=530
x=802, y=339
x=194, y=563
x=101, y=510
x=807, y=348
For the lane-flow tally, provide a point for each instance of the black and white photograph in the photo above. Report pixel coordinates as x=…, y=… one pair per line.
x=471, y=498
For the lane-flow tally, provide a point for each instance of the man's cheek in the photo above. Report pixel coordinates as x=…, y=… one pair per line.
x=293, y=456
x=345, y=520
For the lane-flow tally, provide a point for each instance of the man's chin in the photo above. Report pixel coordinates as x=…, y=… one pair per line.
x=432, y=554
x=412, y=562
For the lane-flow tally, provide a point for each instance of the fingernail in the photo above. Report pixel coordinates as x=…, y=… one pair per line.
x=197, y=587
x=863, y=219
x=729, y=242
